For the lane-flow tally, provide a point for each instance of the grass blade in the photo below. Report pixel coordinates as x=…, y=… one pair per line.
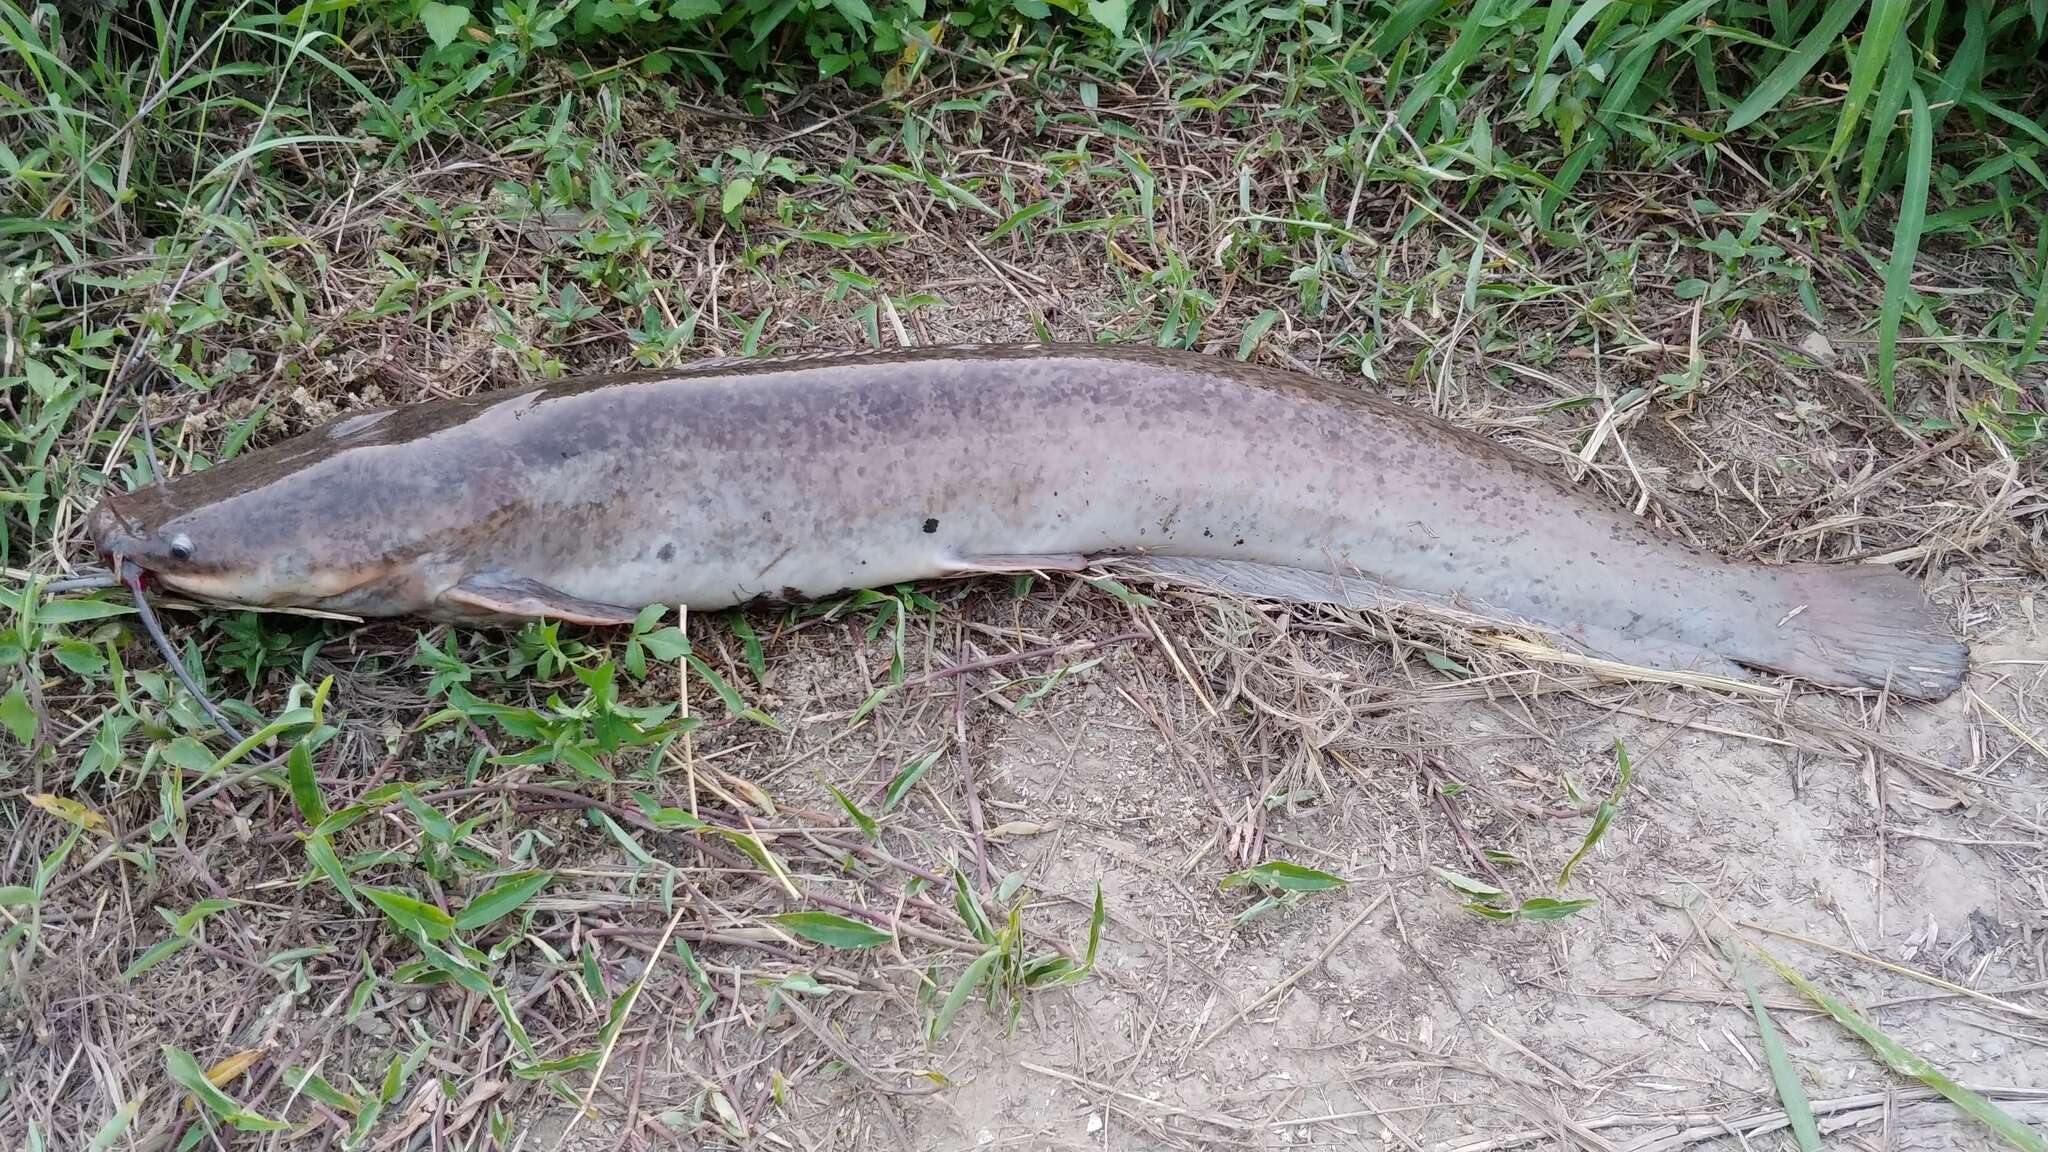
x=2030, y=344
x=1899, y=1059
x=501, y=899
x=1898, y=277
x=1603, y=815
x=1784, y=1077
x=1879, y=30
x=1884, y=120
x=1773, y=89
x=963, y=990
x=832, y=930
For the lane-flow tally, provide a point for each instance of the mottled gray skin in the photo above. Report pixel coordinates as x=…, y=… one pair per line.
x=800, y=477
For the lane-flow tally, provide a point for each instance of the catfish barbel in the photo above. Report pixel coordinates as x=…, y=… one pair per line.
x=794, y=478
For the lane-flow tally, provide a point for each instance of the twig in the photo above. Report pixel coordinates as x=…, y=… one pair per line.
x=1159, y=1107
x=1443, y=800
x=847, y=1055
x=1295, y=977
x=1075, y=648
x=1703, y=1125
x=974, y=822
x=683, y=705
x=611, y=1042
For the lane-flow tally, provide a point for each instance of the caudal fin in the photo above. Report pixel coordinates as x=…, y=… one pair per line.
x=1835, y=625
x=1858, y=626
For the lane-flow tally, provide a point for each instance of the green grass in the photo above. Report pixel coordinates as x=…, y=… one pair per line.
x=259, y=216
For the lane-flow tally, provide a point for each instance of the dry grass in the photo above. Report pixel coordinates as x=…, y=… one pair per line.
x=1193, y=736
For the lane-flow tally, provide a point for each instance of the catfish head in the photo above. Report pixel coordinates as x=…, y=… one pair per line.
x=385, y=513
x=318, y=521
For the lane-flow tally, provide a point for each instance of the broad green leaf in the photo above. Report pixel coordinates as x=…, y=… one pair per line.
x=1467, y=884
x=414, y=916
x=443, y=22
x=593, y=977
x=191, y=917
x=663, y=816
x=152, y=956
x=907, y=777
x=431, y=820
x=1111, y=14
x=118, y=1123
x=750, y=647
x=16, y=716
x=311, y=1083
x=832, y=930
x=760, y=854
x=321, y=853
x=455, y=966
x=513, y=1027
x=969, y=908
x=188, y=754
x=305, y=789
x=963, y=990
x=1602, y=816
x=500, y=899
x=1546, y=908
x=736, y=193
x=77, y=611
x=1285, y=876
x=861, y=820
x=727, y=695
x=1772, y=89
x=1254, y=332
x=1880, y=28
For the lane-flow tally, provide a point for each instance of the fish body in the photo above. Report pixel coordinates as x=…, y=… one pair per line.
x=799, y=477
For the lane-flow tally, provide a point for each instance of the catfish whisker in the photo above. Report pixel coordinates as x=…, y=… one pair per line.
x=89, y=580
x=131, y=575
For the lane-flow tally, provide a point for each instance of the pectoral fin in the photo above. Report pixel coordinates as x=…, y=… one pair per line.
x=504, y=594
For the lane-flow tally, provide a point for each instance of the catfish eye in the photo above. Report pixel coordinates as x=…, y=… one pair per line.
x=181, y=547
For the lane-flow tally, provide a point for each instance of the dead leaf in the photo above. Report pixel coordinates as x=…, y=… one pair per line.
x=484, y=1092
x=1924, y=800
x=69, y=811
x=747, y=788
x=227, y=1071
x=427, y=1099
x=1017, y=828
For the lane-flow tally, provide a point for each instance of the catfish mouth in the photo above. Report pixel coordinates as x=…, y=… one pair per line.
x=200, y=585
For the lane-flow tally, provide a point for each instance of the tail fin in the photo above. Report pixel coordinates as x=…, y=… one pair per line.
x=1836, y=625
x=1859, y=626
